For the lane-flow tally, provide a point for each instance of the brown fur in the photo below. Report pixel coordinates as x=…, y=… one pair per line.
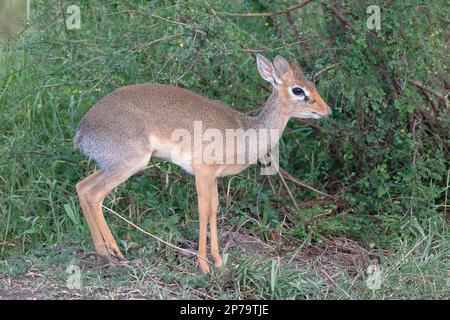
x=130, y=125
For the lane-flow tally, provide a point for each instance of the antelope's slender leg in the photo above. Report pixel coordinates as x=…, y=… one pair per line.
x=213, y=225
x=99, y=242
x=92, y=191
x=204, y=186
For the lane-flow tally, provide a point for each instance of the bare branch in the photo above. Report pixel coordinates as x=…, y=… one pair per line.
x=341, y=17
x=420, y=85
x=318, y=73
x=213, y=12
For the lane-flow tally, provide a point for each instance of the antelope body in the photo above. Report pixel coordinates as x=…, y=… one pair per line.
x=132, y=124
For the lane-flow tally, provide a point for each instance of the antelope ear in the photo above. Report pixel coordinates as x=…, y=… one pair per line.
x=281, y=65
x=267, y=70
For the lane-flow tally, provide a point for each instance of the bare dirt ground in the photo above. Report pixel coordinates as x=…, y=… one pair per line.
x=328, y=261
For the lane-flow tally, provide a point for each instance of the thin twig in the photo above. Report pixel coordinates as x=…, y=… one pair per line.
x=406, y=255
x=148, y=14
x=153, y=236
x=341, y=17
x=330, y=278
x=277, y=48
x=64, y=18
x=213, y=12
x=318, y=73
x=420, y=85
x=294, y=202
x=295, y=180
x=324, y=202
x=271, y=14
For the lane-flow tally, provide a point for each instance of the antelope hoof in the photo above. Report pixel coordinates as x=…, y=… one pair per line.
x=203, y=266
x=114, y=253
x=217, y=260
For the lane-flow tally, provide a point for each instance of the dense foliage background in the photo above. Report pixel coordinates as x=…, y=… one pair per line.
x=381, y=162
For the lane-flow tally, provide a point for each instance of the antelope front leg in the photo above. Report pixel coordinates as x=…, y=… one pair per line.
x=203, y=185
x=213, y=225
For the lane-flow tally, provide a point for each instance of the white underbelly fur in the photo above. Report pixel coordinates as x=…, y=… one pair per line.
x=172, y=153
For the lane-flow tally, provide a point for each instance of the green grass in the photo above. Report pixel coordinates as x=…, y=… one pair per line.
x=414, y=271
x=47, y=84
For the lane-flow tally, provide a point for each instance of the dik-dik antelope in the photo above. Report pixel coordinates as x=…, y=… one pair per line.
x=130, y=125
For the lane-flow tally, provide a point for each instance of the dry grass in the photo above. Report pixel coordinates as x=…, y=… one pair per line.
x=104, y=279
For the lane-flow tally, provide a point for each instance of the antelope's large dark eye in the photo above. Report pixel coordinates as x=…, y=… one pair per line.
x=298, y=91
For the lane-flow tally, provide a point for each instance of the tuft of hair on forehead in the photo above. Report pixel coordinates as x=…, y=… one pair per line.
x=297, y=73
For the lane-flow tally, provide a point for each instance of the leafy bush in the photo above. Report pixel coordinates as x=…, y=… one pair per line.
x=384, y=154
